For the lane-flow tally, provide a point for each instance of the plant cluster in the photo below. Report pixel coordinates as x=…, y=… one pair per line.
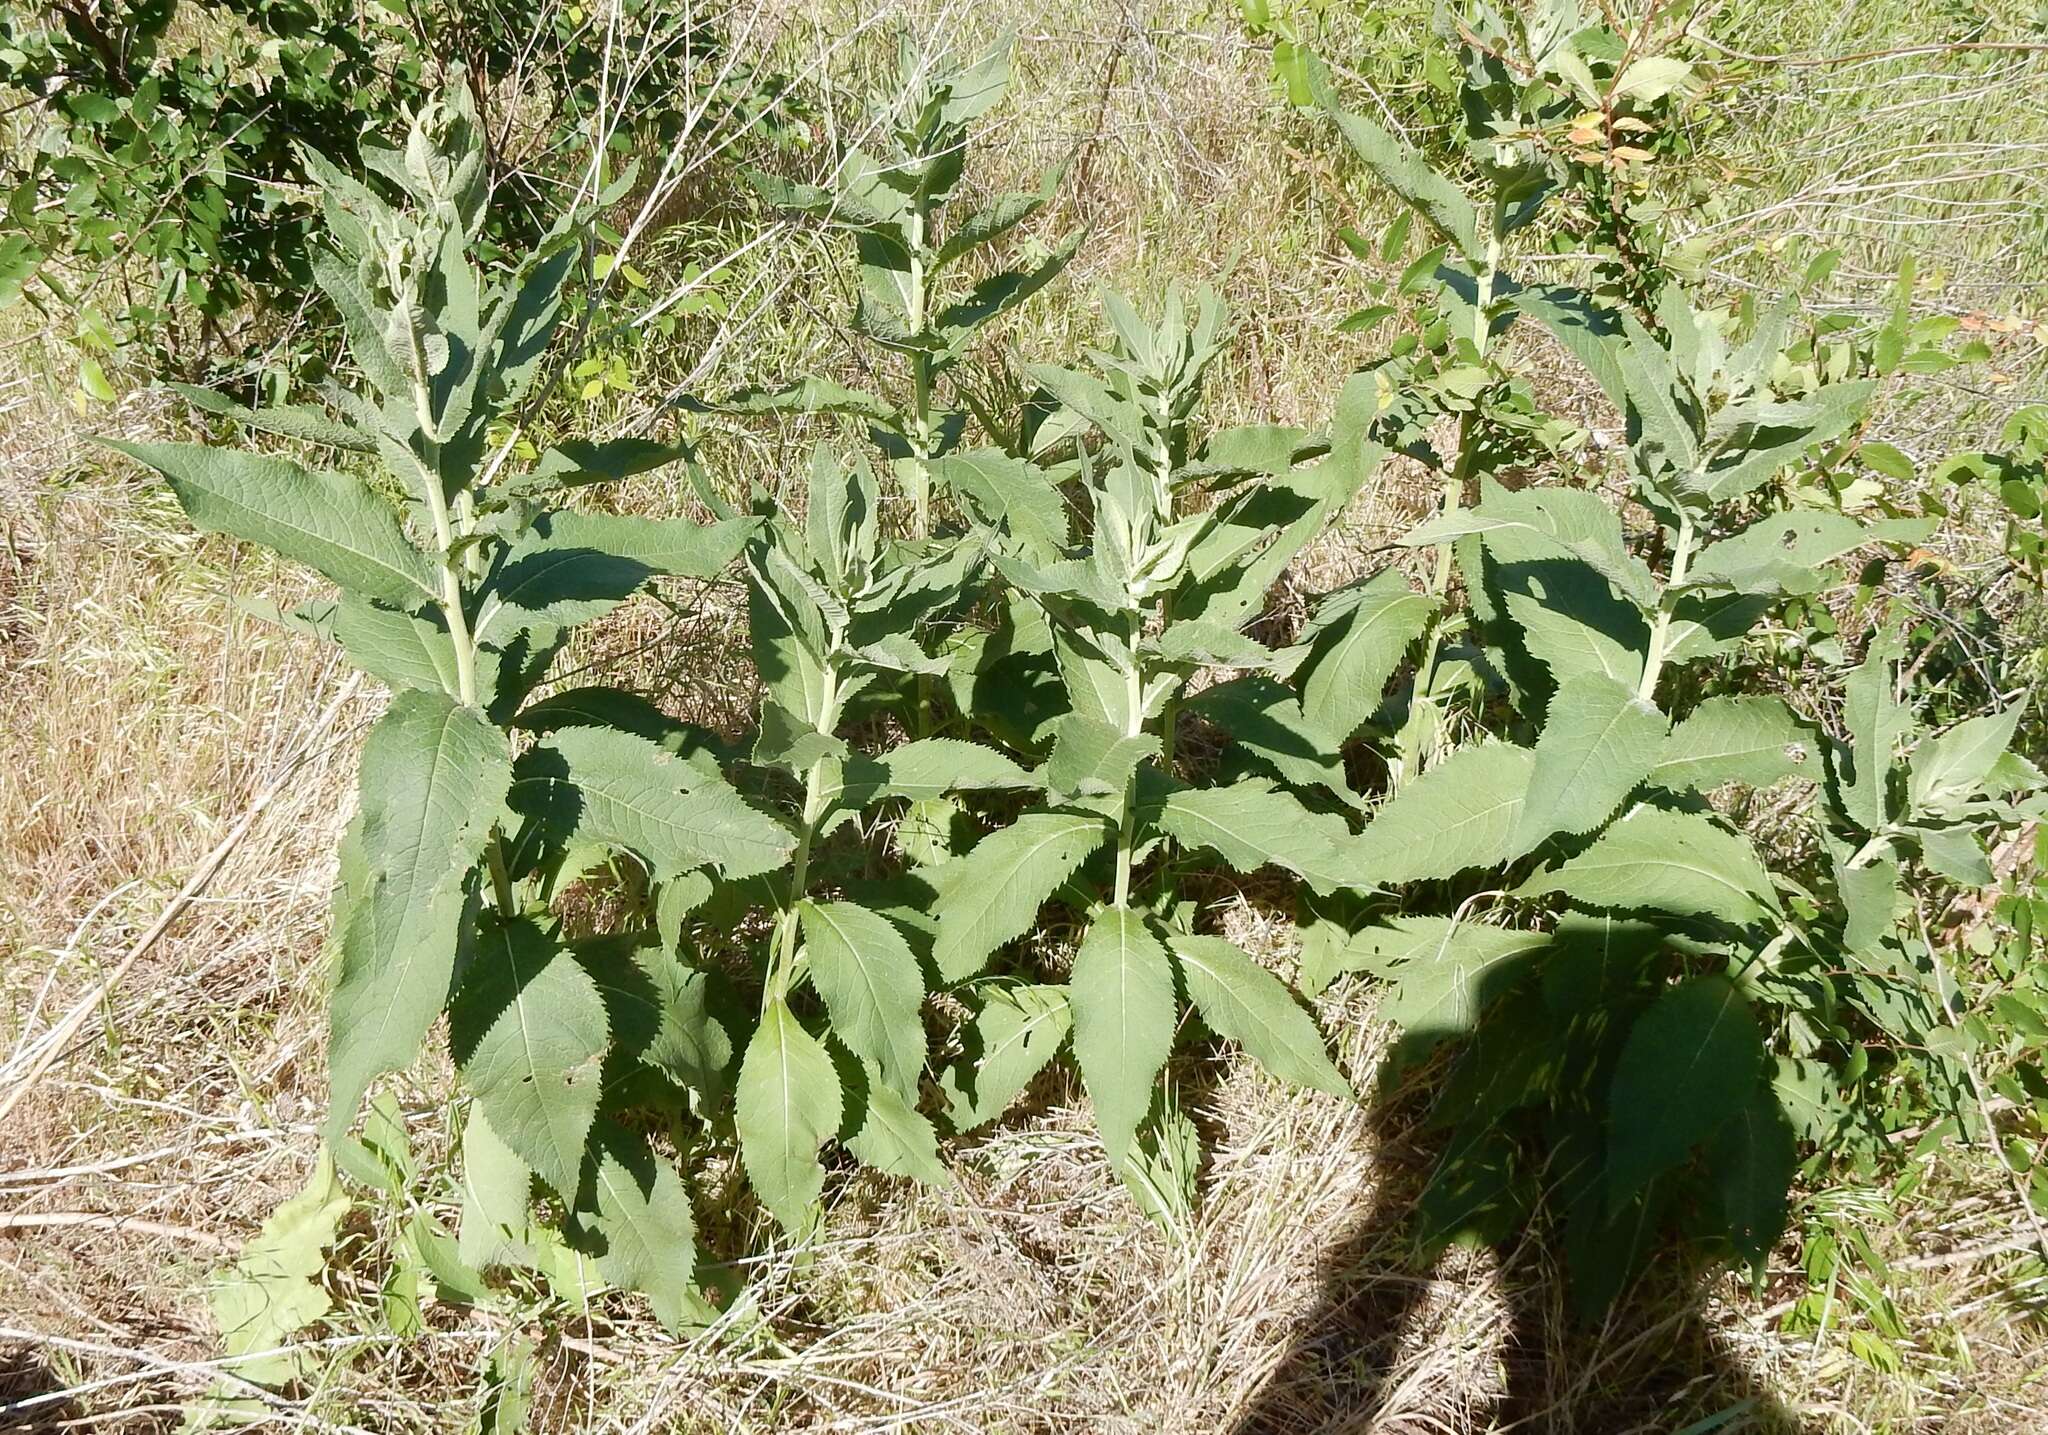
x=984, y=668
x=163, y=139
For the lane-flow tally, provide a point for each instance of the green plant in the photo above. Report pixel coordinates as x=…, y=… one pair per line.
x=1649, y=1008
x=1182, y=536
x=460, y=580
x=2018, y=473
x=161, y=139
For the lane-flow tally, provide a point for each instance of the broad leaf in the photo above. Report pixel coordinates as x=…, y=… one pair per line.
x=1241, y=1000
x=864, y=969
x=1015, y=1033
x=1694, y=1058
x=1657, y=860
x=1462, y=813
x=1355, y=642
x=1124, y=1013
x=433, y=778
x=787, y=1106
x=330, y=522
x=1252, y=824
x=993, y=894
x=1598, y=742
x=643, y=1222
x=1751, y=740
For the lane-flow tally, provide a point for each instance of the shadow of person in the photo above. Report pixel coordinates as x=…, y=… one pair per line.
x=33, y=1394
x=1493, y=1332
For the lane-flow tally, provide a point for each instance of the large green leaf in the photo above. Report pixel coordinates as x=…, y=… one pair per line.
x=895, y=1138
x=399, y=649
x=1788, y=552
x=787, y=1105
x=1401, y=168
x=573, y=567
x=1658, y=860
x=1265, y=719
x=643, y=1222
x=1877, y=721
x=434, y=777
x=1460, y=814
x=1354, y=644
x=1092, y=759
x=1751, y=740
x=328, y=521
x=1694, y=1058
x=274, y=1290
x=993, y=894
x=1568, y=522
x=529, y=1034
x=1949, y=769
x=1252, y=824
x=600, y=786
x=864, y=969
x=1243, y=1001
x=1017, y=1030
x=1443, y=970
x=1599, y=740
x=1753, y=1159
x=1124, y=1010
x=1014, y=493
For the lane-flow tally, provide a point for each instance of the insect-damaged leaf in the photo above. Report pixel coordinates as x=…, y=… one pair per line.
x=434, y=776
x=1751, y=740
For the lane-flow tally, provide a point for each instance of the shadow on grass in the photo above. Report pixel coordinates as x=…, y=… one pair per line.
x=34, y=1395
x=1398, y=1342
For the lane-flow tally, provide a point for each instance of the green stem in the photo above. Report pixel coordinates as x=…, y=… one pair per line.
x=1681, y=556
x=1134, y=724
x=782, y=967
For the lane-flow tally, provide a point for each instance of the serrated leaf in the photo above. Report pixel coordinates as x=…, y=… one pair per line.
x=1657, y=860
x=400, y=649
x=1017, y=1030
x=1459, y=814
x=573, y=567
x=330, y=522
x=593, y=785
x=274, y=1290
x=641, y=1216
x=1751, y=740
x=1571, y=522
x=528, y=1031
x=306, y=425
x=1251, y=824
x=1266, y=720
x=1016, y=494
x=1947, y=770
x=1599, y=741
x=1121, y=991
x=1692, y=1059
x=871, y=984
x=1440, y=969
x=992, y=895
x=1356, y=640
x=497, y=1199
x=1093, y=759
x=787, y=1105
x=1876, y=721
x=1401, y=168
x=1241, y=1000
x=433, y=777
x=1788, y=552
x=1753, y=1159
x=895, y=1138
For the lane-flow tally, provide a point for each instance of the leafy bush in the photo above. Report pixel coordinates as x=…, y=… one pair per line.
x=162, y=139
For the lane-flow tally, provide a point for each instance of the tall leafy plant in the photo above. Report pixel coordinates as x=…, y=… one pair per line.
x=460, y=580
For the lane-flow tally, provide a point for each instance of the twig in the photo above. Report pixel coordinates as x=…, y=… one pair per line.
x=22, y=1220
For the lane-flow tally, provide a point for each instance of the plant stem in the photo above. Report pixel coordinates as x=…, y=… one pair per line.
x=1681, y=555
x=1134, y=725
x=782, y=966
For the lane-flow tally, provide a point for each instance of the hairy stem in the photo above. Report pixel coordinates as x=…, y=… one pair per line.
x=1660, y=633
x=1134, y=724
x=782, y=967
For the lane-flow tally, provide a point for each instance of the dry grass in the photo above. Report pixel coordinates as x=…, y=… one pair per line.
x=143, y=714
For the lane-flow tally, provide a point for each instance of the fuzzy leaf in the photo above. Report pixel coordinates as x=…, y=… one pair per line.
x=1401, y=168
x=330, y=522
x=1251, y=824
x=433, y=778
x=1015, y=1033
x=274, y=1290
x=1124, y=1011
x=1949, y=769
x=643, y=1220
x=1093, y=759
x=529, y=1034
x=1357, y=639
x=1598, y=742
x=1693, y=1058
x=1264, y=719
x=1241, y=1000
x=1876, y=721
x=600, y=786
x=787, y=1106
x=306, y=425
x=1751, y=740
x=1459, y=814
x=864, y=969
x=895, y=1138
x=993, y=894
x=1788, y=552
x=1656, y=860
x=1753, y=1159
x=1012, y=492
